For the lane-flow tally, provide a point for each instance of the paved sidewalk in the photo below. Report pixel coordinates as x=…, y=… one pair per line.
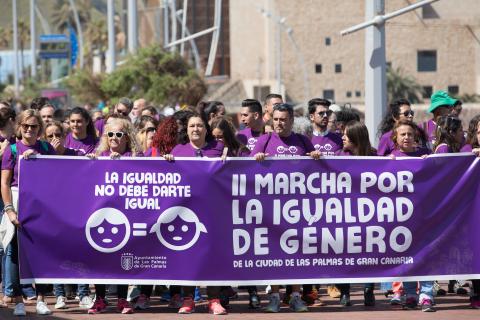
x=448, y=307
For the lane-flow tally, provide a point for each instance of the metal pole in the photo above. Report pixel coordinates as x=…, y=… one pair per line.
x=279, y=56
x=166, y=28
x=375, y=69
x=215, y=36
x=196, y=55
x=190, y=37
x=173, y=21
x=111, y=35
x=132, y=26
x=33, y=38
x=80, y=33
x=184, y=25
x=15, y=47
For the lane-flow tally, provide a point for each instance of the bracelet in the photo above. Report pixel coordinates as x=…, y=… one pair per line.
x=8, y=207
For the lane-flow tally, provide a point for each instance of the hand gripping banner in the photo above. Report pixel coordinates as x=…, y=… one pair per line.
x=208, y=222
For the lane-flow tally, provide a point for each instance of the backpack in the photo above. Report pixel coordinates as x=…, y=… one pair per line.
x=13, y=148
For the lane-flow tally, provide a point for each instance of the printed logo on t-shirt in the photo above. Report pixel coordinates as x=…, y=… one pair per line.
x=292, y=149
x=251, y=143
x=325, y=149
x=281, y=149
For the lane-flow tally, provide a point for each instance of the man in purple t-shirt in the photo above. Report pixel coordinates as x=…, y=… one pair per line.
x=323, y=140
x=441, y=105
x=251, y=117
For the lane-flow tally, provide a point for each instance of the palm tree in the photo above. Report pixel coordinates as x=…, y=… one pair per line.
x=402, y=86
x=23, y=38
x=62, y=17
x=6, y=35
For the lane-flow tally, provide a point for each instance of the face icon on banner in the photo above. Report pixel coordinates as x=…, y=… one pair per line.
x=107, y=230
x=178, y=228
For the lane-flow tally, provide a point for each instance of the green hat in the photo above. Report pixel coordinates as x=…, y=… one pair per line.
x=440, y=98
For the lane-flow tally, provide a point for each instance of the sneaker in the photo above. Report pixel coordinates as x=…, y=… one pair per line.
x=333, y=292
x=396, y=299
x=410, y=303
x=474, y=302
x=42, y=309
x=198, y=295
x=297, y=305
x=254, y=301
x=427, y=306
x=175, y=302
x=369, y=297
x=188, y=306
x=142, y=303
x=273, y=304
x=86, y=302
x=98, y=306
x=310, y=297
x=124, y=306
x=345, y=300
x=19, y=310
x=215, y=307
x=61, y=303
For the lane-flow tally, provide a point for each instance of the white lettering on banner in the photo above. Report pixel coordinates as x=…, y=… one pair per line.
x=326, y=219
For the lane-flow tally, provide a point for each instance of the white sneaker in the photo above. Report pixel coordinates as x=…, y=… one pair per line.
x=61, y=303
x=42, y=308
x=19, y=310
x=86, y=302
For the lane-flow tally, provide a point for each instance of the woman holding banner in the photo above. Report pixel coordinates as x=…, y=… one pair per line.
x=118, y=140
x=356, y=142
x=83, y=135
x=29, y=129
x=200, y=144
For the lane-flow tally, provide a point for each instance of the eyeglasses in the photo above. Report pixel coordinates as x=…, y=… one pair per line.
x=198, y=153
x=31, y=126
x=54, y=135
x=327, y=113
x=409, y=113
x=122, y=113
x=150, y=129
x=118, y=134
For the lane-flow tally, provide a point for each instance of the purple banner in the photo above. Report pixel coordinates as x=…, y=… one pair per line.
x=208, y=222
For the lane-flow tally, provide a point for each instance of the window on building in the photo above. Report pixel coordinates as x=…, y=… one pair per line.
x=318, y=68
x=349, y=94
x=427, y=92
x=358, y=94
x=328, y=41
x=427, y=60
x=428, y=12
x=453, y=90
x=338, y=68
x=329, y=94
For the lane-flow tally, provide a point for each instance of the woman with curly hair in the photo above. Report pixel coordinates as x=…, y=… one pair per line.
x=473, y=136
x=118, y=140
x=165, y=138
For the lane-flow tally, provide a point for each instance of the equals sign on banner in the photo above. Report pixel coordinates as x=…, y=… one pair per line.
x=239, y=184
x=139, y=229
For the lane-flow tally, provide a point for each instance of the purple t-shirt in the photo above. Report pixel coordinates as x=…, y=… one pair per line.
x=291, y=146
x=417, y=153
x=466, y=148
x=443, y=148
x=344, y=153
x=430, y=127
x=9, y=162
x=385, y=145
x=213, y=149
x=99, y=125
x=81, y=147
x=248, y=137
x=327, y=144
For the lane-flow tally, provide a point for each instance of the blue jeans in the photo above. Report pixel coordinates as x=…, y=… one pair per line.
x=82, y=290
x=426, y=290
x=11, y=278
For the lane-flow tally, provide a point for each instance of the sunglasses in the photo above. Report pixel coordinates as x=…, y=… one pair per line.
x=327, y=113
x=31, y=126
x=409, y=113
x=118, y=134
x=150, y=129
x=122, y=113
x=54, y=135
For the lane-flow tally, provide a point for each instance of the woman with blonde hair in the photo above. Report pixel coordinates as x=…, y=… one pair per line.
x=118, y=139
x=29, y=130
